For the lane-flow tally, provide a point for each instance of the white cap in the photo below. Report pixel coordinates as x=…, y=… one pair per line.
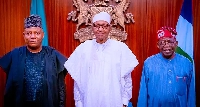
x=102, y=16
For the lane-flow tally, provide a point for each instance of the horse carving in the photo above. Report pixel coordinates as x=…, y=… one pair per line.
x=84, y=11
x=118, y=13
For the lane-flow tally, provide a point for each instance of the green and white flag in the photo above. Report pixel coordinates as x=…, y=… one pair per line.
x=184, y=37
x=184, y=29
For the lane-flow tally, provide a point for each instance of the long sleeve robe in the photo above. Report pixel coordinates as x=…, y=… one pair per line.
x=102, y=73
x=167, y=83
x=13, y=63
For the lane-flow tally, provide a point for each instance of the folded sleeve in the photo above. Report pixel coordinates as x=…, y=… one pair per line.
x=5, y=62
x=127, y=90
x=77, y=96
x=60, y=59
x=73, y=66
x=62, y=89
x=128, y=63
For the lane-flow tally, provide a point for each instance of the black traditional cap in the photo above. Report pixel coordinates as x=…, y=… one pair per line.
x=33, y=21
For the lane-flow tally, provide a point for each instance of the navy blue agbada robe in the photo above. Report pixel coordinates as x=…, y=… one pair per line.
x=13, y=63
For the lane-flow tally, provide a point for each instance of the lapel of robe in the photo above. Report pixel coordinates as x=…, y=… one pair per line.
x=18, y=74
x=48, y=78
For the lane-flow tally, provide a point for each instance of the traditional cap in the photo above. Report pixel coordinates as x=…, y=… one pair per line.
x=166, y=32
x=33, y=21
x=102, y=16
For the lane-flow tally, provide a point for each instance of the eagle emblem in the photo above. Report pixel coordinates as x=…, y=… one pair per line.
x=86, y=10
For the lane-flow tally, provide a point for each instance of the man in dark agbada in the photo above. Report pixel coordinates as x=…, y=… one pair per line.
x=35, y=73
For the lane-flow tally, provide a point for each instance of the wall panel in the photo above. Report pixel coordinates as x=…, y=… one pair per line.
x=196, y=25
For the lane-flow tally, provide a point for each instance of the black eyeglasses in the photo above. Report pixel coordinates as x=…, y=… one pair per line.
x=165, y=42
x=104, y=27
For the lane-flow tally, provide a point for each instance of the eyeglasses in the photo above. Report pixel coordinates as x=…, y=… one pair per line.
x=29, y=33
x=165, y=42
x=104, y=27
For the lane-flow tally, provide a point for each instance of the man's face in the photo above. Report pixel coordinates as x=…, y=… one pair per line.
x=101, y=30
x=33, y=37
x=167, y=46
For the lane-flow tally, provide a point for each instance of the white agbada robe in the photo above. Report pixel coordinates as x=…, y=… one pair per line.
x=102, y=73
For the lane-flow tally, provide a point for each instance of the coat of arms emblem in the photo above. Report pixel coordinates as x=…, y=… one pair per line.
x=86, y=10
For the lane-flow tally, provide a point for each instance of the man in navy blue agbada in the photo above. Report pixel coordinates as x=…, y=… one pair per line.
x=35, y=73
x=167, y=77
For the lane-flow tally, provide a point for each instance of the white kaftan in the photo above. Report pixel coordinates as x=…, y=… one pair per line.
x=102, y=73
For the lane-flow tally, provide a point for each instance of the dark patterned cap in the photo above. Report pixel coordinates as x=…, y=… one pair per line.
x=33, y=21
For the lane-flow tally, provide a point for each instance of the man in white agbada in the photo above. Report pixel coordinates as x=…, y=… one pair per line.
x=101, y=68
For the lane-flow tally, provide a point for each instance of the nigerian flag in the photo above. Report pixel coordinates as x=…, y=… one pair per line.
x=184, y=30
x=37, y=7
